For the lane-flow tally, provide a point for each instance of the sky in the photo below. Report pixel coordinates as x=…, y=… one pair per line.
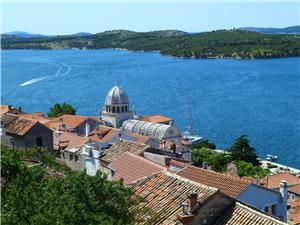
x=91, y=16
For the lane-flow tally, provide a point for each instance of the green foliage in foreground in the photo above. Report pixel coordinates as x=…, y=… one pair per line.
x=30, y=195
x=216, y=44
x=61, y=109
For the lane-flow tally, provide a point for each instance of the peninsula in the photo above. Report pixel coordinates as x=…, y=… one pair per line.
x=234, y=43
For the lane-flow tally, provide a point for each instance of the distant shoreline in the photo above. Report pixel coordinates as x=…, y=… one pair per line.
x=150, y=51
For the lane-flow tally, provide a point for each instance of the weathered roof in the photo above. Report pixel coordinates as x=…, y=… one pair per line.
x=227, y=184
x=4, y=109
x=294, y=212
x=103, y=134
x=116, y=95
x=273, y=181
x=242, y=214
x=131, y=167
x=156, y=119
x=123, y=146
x=35, y=116
x=164, y=193
x=71, y=121
x=295, y=189
x=20, y=126
x=70, y=140
x=141, y=138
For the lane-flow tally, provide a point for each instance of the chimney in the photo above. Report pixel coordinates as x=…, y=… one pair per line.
x=9, y=107
x=193, y=201
x=284, y=194
x=87, y=128
x=20, y=109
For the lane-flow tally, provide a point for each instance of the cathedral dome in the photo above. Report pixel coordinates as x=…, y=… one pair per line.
x=116, y=95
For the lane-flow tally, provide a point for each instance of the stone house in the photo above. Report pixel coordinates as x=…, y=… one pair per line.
x=25, y=133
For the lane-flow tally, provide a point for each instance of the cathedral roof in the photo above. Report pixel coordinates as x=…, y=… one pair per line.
x=116, y=95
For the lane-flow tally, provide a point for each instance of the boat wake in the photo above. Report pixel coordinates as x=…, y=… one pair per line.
x=61, y=66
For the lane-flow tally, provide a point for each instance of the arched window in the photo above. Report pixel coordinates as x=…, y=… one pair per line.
x=108, y=108
x=118, y=109
x=126, y=109
x=122, y=109
x=113, y=109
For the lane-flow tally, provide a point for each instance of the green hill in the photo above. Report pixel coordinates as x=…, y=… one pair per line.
x=216, y=44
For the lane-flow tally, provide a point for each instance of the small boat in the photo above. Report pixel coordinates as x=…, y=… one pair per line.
x=193, y=139
x=271, y=157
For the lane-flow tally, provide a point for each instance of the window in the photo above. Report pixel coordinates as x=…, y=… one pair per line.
x=71, y=157
x=76, y=158
x=126, y=108
x=118, y=109
x=113, y=109
x=122, y=109
x=39, y=141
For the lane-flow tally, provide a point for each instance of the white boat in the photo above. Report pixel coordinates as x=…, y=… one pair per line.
x=193, y=139
x=271, y=157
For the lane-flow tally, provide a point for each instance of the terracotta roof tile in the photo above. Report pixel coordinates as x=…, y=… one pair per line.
x=242, y=214
x=164, y=193
x=141, y=138
x=227, y=184
x=4, y=109
x=71, y=140
x=131, y=167
x=295, y=189
x=20, y=126
x=35, y=116
x=273, y=181
x=103, y=133
x=123, y=146
x=71, y=121
x=156, y=119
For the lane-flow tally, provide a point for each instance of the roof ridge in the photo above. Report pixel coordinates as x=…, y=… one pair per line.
x=258, y=212
x=189, y=181
x=147, y=160
x=220, y=174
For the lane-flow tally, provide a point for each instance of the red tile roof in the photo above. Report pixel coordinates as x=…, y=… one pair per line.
x=35, y=116
x=242, y=214
x=141, y=138
x=20, y=126
x=131, y=167
x=295, y=189
x=103, y=133
x=4, y=109
x=71, y=140
x=273, y=181
x=227, y=184
x=122, y=146
x=156, y=119
x=164, y=193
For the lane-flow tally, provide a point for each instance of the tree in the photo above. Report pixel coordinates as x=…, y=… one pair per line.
x=247, y=169
x=218, y=161
x=61, y=109
x=35, y=196
x=205, y=144
x=241, y=150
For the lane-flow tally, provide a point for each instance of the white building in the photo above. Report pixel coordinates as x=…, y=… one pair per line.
x=116, y=107
x=155, y=130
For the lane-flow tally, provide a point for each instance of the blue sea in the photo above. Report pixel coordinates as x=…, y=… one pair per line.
x=227, y=98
